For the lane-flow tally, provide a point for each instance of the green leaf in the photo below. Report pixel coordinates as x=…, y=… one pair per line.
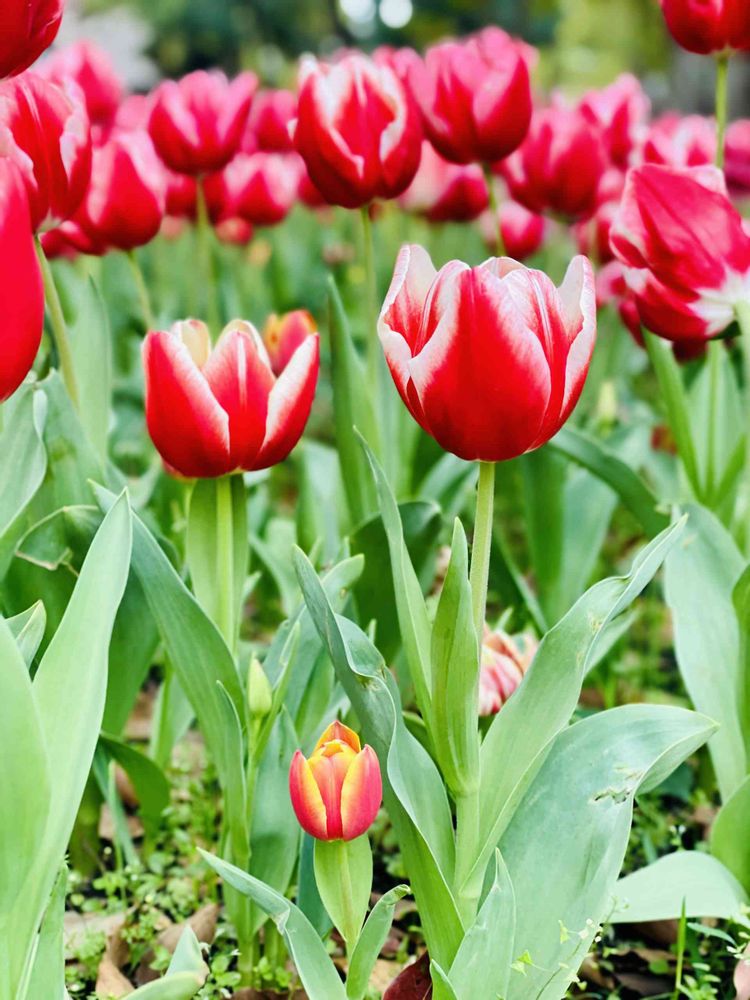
x=92, y=360
x=690, y=878
x=186, y=974
x=343, y=874
x=741, y=602
x=455, y=674
x=28, y=630
x=352, y=407
x=371, y=940
x=48, y=972
x=717, y=420
x=521, y=735
x=149, y=781
x=413, y=790
x=584, y=792
x=316, y=970
x=606, y=465
x=701, y=573
x=321, y=509
x=729, y=839
x=544, y=475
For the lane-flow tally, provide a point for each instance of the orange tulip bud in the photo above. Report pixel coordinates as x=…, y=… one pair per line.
x=336, y=793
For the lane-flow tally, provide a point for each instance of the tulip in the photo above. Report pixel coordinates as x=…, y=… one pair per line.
x=236, y=232
x=489, y=360
x=91, y=69
x=503, y=665
x=28, y=28
x=21, y=290
x=125, y=203
x=522, y=231
x=182, y=195
x=686, y=253
x=212, y=412
x=133, y=113
x=357, y=130
x=475, y=97
x=737, y=152
x=260, y=188
x=706, y=26
x=618, y=111
x=680, y=141
x=559, y=166
x=197, y=122
x=282, y=335
x=44, y=129
x=336, y=792
x=271, y=115
x=592, y=235
x=445, y=192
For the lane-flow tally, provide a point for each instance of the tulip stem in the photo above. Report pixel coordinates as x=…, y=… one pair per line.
x=742, y=311
x=210, y=297
x=480, y=552
x=144, y=299
x=467, y=844
x=59, y=327
x=494, y=202
x=722, y=104
x=373, y=348
x=225, y=561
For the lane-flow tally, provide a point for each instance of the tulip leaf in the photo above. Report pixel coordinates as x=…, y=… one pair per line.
x=28, y=630
x=691, y=880
x=701, y=573
x=48, y=972
x=149, y=782
x=729, y=840
x=413, y=790
x=186, y=974
x=314, y=966
x=584, y=792
x=521, y=734
x=91, y=345
x=371, y=940
x=600, y=460
x=717, y=420
x=343, y=874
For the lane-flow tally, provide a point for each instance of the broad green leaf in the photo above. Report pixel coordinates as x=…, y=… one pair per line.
x=343, y=874
x=316, y=970
x=701, y=573
x=690, y=878
x=521, y=734
x=442, y=988
x=48, y=972
x=28, y=630
x=729, y=834
x=23, y=468
x=186, y=974
x=371, y=940
x=450, y=483
x=274, y=552
x=584, y=792
x=149, y=781
x=717, y=418
x=544, y=474
x=321, y=508
x=482, y=967
x=414, y=793
x=131, y=654
x=616, y=473
x=455, y=674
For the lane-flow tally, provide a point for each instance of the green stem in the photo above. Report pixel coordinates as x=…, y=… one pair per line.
x=742, y=311
x=722, y=105
x=480, y=553
x=225, y=561
x=144, y=299
x=373, y=346
x=467, y=846
x=715, y=348
x=204, y=230
x=59, y=327
x=494, y=208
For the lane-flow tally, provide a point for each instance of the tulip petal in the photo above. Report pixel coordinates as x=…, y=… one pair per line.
x=307, y=801
x=338, y=731
x=361, y=794
x=289, y=405
x=577, y=296
x=185, y=421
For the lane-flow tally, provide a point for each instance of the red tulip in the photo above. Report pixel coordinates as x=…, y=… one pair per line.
x=680, y=141
x=21, y=291
x=271, y=115
x=357, y=130
x=737, y=153
x=443, y=191
x=523, y=231
x=182, y=195
x=89, y=67
x=45, y=130
x=685, y=249
x=125, y=202
x=618, y=111
x=197, y=122
x=503, y=665
x=211, y=412
x=133, y=113
x=559, y=166
x=489, y=360
x=592, y=235
x=307, y=193
x=28, y=28
x=475, y=97
x=336, y=792
x=282, y=335
x=706, y=26
x=260, y=188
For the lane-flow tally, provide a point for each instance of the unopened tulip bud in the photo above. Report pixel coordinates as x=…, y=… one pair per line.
x=336, y=792
x=505, y=660
x=259, y=691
